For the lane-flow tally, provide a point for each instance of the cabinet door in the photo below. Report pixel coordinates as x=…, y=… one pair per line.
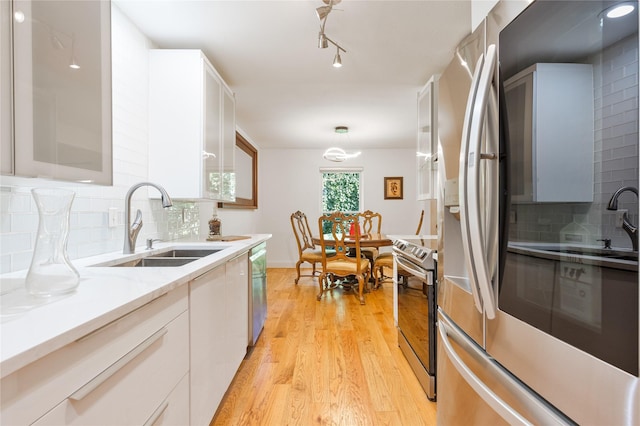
x=6, y=128
x=62, y=72
x=212, y=133
x=208, y=325
x=175, y=409
x=519, y=100
x=228, y=146
x=426, y=147
x=551, y=155
x=237, y=312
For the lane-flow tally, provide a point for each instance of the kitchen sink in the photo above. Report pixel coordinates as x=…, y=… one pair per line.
x=169, y=258
x=186, y=253
x=158, y=262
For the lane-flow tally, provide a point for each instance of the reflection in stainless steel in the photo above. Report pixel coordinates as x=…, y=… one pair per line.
x=626, y=225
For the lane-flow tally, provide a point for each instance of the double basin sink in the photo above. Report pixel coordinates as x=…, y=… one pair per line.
x=169, y=258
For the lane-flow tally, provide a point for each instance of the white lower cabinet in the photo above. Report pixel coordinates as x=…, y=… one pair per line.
x=119, y=374
x=168, y=362
x=218, y=311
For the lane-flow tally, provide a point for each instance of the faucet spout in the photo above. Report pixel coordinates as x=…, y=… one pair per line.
x=628, y=227
x=131, y=230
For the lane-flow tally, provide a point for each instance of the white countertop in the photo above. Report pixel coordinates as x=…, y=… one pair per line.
x=33, y=327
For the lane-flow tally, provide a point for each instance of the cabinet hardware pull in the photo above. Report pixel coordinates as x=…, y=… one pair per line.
x=116, y=366
x=156, y=414
x=117, y=320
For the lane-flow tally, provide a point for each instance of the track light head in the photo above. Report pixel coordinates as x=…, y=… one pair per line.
x=337, y=61
x=323, y=43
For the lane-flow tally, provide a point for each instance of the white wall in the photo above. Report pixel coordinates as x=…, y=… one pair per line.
x=290, y=181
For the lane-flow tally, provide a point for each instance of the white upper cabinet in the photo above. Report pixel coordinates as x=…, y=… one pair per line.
x=6, y=127
x=61, y=53
x=191, y=126
x=552, y=157
x=427, y=145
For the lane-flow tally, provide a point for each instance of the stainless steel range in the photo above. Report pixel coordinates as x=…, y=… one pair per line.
x=416, y=307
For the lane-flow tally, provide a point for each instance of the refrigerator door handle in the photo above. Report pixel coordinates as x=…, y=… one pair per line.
x=481, y=234
x=462, y=179
x=542, y=413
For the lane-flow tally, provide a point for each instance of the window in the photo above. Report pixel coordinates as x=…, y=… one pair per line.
x=341, y=190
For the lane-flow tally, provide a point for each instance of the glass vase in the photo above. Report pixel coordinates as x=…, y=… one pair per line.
x=51, y=272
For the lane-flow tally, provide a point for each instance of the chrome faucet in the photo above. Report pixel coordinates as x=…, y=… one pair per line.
x=131, y=230
x=626, y=225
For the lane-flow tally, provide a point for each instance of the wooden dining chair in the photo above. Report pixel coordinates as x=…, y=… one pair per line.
x=385, y=260
x=341, y=264
x=307, y=250
x=371, y=223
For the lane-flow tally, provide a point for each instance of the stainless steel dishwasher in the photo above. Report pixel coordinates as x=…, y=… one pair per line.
x=257, y=291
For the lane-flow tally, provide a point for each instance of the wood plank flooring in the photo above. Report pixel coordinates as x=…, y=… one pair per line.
x=328, y=362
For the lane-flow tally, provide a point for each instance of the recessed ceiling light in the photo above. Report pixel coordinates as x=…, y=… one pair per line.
x=619, y=10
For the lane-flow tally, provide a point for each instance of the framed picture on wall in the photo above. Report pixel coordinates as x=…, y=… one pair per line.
x=393, y=188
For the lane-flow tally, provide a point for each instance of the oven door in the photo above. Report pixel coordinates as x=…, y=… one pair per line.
x=417, y=312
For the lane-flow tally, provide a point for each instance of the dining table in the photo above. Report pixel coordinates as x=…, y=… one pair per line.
x=373, y=239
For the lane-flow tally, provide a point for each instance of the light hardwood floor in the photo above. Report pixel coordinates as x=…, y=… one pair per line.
x=328, y=362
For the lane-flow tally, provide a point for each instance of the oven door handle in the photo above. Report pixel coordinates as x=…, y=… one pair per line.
x=412, y=269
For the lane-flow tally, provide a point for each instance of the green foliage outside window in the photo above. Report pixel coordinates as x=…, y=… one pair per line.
x=340, y=192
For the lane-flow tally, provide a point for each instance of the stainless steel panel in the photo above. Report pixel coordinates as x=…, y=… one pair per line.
x=490, y=393
x=257, y=291
x=428, y=382
x=583, y=387
x=454, y=292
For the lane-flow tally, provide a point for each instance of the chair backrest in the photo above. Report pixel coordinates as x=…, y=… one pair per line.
x=340, y=223
x=420, y=223
x=301, y=230
x=371, y=222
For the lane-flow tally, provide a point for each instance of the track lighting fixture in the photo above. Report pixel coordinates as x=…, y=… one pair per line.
x=323, y=41
x=337, y=61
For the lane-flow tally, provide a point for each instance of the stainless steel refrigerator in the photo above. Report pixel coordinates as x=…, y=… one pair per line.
x=537, y=218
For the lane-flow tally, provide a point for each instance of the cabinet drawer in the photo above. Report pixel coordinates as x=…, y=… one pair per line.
x=137, y=392
x=30, y=392
x=175, y=409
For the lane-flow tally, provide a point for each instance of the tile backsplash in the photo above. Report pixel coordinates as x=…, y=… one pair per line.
x=90, y=232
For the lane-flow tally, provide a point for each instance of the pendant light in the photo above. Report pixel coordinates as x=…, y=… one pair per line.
x=337, y=154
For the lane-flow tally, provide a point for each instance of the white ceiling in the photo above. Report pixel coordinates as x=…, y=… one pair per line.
x=288, y=95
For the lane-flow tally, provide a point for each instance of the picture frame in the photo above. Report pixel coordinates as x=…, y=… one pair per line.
x=393, y=188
